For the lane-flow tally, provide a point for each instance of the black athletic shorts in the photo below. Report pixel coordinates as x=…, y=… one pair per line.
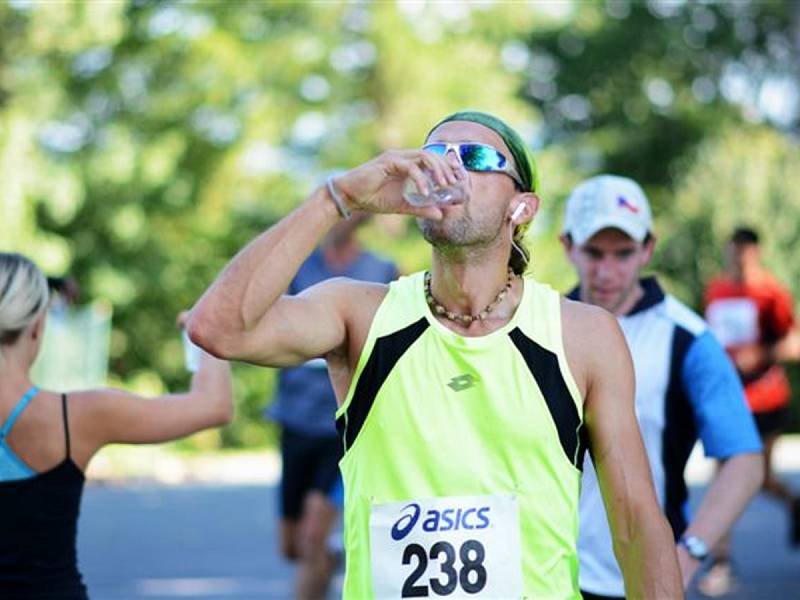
x=591, y=596
x=309, y=463
x=773, y=421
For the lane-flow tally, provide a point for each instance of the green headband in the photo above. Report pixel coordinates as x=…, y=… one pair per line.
x=526, y=166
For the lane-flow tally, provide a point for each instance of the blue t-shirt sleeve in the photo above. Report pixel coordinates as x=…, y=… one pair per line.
x=391, y=272
x=724, y=422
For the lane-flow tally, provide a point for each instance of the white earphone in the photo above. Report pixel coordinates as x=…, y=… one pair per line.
x=518, y=211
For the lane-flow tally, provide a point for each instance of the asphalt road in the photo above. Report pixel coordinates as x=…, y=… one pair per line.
x=163, y=543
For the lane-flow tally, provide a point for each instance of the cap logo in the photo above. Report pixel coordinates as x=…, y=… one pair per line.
x=623, y=202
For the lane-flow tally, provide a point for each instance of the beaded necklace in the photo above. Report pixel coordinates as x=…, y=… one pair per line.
x=440, y=311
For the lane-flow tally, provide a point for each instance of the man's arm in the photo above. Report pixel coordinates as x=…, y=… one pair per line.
x=787, y=348
x=643, y=542
x=244, y=312
x=732, y=488
x=726, y=428
x=245, y=315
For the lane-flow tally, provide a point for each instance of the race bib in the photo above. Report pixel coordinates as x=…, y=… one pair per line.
x=455, y=547
x=734, y=321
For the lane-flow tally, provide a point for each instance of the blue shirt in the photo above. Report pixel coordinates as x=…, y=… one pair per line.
x=305, y=401
x=686, y=388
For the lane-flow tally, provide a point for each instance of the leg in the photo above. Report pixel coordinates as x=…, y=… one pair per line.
x=295, y=483
x=319, y=515
x=772, y=485
x=315, y=565
x=288, y=534
x=795, y=532
x=776, y=488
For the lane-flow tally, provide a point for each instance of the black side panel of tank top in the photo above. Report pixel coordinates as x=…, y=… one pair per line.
x=545, y=369
x=385, y=354
x=679, y=435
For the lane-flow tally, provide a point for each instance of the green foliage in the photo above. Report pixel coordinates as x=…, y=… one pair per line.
x=743, y=176
x=143, y=143
x=634, y=86
x=688, y=98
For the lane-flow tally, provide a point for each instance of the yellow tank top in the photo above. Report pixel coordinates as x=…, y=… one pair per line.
x=462, y=455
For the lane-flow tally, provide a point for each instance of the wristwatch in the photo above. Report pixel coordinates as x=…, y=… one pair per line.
x=696, y=547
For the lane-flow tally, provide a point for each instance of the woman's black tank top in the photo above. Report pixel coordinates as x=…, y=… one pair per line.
x=38, y=535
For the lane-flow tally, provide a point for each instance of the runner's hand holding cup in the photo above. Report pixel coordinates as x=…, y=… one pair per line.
x=377, y=186
x=434, y=193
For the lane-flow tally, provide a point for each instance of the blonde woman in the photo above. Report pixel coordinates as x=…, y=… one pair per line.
x=48, y=438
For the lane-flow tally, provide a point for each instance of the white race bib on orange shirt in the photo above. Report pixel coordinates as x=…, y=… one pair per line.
x=734, y=321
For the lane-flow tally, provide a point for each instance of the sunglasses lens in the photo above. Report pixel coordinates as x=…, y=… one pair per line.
x=475, y=157
x=481, y=158
x=440, y=149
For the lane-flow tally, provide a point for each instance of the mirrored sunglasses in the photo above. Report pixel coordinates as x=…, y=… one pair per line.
x=478, y=157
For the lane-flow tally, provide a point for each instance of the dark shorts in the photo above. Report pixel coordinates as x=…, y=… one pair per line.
x=591, y=596
x=772, y=422
x=309, y=463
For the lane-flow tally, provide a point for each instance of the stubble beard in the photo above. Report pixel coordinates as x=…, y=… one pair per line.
x=459, y=237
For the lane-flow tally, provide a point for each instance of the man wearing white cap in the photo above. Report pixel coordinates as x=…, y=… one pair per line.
x=685, y=385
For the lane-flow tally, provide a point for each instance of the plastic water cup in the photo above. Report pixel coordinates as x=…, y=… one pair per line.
x=191, y=353
x=454, y=193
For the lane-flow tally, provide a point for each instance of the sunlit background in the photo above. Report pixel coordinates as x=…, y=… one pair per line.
x=142, y=143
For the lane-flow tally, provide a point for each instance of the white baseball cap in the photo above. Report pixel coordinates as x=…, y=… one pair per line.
x=607, y=201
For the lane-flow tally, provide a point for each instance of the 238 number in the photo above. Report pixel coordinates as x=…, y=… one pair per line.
x=471, y=576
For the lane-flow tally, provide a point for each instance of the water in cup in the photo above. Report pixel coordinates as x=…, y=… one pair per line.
x=191, y=353
x=454, y=193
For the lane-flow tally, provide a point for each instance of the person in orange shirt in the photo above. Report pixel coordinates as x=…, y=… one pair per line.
x=752, y=314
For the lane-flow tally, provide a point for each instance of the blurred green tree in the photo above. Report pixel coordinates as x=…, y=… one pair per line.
x=632, y=87
x=143, y=143
x=699, y=102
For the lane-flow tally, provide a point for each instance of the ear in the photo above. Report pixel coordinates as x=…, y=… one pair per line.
x=525, y=209
x=569, y=247
x=647, y=249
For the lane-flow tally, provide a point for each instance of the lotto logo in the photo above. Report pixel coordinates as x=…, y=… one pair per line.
x=462, y=382
x=448, y=519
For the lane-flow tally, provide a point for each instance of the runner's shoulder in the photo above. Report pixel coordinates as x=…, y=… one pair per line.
x=592, y=337
x=352, y=296
x=583, y=319
x=346, y=287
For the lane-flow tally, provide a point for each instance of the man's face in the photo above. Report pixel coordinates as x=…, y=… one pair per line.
x=608, y=265
x=739, y=257
x=479, y=221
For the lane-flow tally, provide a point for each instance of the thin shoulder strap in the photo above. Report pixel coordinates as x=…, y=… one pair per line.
x=66, y=422
x=12, y=418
